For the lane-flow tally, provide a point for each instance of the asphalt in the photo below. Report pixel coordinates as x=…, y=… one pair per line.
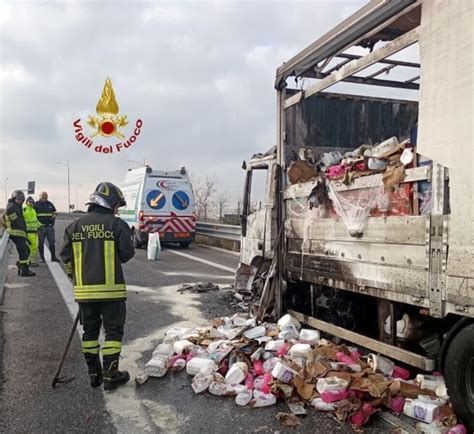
x=35, y=322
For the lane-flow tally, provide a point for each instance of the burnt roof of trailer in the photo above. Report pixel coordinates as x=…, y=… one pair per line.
x=354, y=30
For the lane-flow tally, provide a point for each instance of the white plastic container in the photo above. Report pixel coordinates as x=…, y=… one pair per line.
x=157, y=366
x=257, y=354
x=269, y=364
x=331, y=385
x=274, y=345
x=435, y=427
x=309, y=336
x=255, y=332
x=180, y=346
x=282, y=373
x=218, y=388
x=201, y=382
x=166, y=350
x=288, y=333
x=176, y=334
x=243, y=398
x=298, y=351
x=380, y=364
x=432, y=400
x=430, y=382
x=199, y=364
x=420, y=410
x=237, y=373
x=154, y=246
x=320, y=405
x=263, y=399
x=287, y=320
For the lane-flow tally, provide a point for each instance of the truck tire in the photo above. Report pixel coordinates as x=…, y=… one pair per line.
x=135, y=240
x=184, y=244
x=459, y=374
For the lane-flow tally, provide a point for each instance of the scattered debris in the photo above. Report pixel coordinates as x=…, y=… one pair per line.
x=199, y=287
x=289, y=420
x=258, y=364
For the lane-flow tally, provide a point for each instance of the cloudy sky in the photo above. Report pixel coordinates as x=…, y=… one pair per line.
x=199, y=74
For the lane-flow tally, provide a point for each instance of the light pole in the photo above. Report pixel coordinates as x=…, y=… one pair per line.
x=77, y=202
x=137, y=162
x=66, y=164
x=6, y=194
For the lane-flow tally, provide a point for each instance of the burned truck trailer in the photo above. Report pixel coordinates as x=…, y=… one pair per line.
x=367, y=227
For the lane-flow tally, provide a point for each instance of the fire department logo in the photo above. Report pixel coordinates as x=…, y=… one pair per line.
x=108, y=123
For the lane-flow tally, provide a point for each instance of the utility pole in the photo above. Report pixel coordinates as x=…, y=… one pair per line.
x=66, y=164
x=77, y=202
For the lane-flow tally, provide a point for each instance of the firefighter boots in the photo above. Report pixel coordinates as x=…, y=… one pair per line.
x=25, y=271
x=53, y=254
x=112, y=376
x=95, y=369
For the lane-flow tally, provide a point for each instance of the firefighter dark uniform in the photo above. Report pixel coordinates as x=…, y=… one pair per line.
x=46, y=213
x=16, y=228
x=94, y=248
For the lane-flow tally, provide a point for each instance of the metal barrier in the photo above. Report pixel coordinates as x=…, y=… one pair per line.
x=4, y=256
x=214, y=230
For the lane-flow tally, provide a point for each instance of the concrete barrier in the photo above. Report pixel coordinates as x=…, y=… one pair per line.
x=4, y=256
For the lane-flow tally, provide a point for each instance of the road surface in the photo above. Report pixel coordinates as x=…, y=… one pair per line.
x=37, y=316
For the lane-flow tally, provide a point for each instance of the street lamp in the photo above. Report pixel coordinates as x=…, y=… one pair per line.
x=66, y=164
x=137, y=162
x=77, y=202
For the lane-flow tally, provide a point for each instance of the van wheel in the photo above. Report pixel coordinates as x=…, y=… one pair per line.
x=184, y=244
x=135, y=241
x=459, y=374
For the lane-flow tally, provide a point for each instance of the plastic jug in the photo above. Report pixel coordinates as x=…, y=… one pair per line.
x=420, y=410
x=255, y=332
x=237, y=373
x=181, y=346
x=157, y=366
x=430, y=382
x=362, y=416
x=163, y=350
x=201, y=382
x=274, y=345
x=244, y=398
x=300, y=351
x=199, y=364
x=331, y=384
x=258, y=367
x=269, y=364
x=334, y=396
x=288, y=333
x=287, y=320
x=263, y=399
x=319, y=404
x=309, y=336
x=249, y=382
x=397, y=404
x=154, y=246
x=380, y=364
x=282, y=373
x=344, y=358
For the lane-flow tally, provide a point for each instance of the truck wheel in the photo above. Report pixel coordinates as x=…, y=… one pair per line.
x=459, y=374
x=135, y=241
x=184, y=244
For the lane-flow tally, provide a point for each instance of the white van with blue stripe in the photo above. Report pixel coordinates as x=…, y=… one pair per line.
x=159, y=201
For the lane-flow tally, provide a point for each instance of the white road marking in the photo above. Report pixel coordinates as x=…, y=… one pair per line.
x=203, y=261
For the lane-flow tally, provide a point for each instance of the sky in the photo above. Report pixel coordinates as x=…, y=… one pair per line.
x=198, y=74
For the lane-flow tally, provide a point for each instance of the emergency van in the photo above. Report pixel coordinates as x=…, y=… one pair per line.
x=159, y=201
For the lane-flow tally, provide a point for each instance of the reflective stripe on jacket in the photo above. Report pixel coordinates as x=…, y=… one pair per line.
x=46, y=212
x=94, y=248
x=31, y=221
x=14, y=220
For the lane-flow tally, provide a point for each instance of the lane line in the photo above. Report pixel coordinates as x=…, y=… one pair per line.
x=203, y=261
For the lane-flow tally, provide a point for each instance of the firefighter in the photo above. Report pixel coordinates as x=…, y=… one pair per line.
x=32, y=225
x=46, y=212
x=94, y=248
x=16, y=227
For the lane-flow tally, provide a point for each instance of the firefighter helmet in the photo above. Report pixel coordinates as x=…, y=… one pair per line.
x=107, y=195
x=18, y=195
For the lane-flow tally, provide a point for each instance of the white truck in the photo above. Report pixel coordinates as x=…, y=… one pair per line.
x=381, y=257
x=159, y=201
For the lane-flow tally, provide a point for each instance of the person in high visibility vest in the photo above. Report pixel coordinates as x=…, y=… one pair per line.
x=16, y=228
x=95, y=247
x=32, y=226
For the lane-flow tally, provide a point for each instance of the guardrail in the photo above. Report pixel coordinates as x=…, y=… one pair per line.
x=3, y=261
x=215, y=230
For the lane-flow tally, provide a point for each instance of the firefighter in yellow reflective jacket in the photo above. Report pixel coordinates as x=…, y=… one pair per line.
x=32, y=225
x=16, y=227
x=94, y=248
